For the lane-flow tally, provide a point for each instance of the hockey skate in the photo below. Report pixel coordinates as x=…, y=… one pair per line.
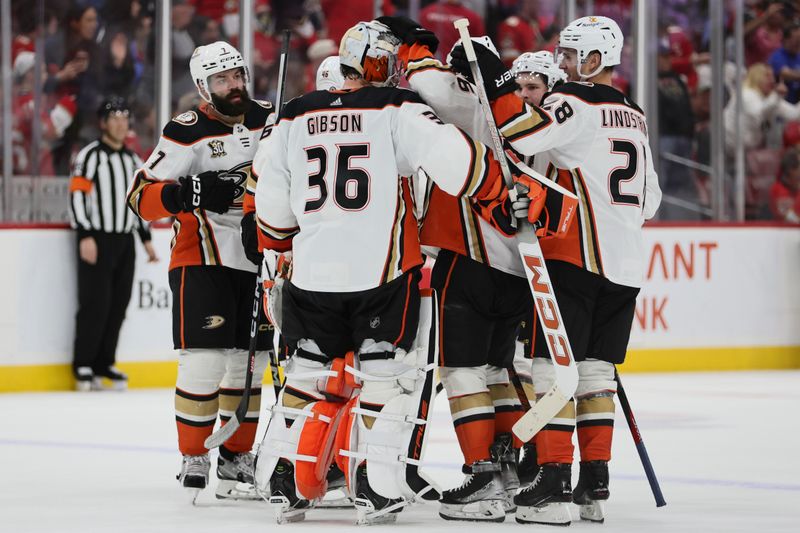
x=236, y=478
x=546, y=500
x=283, y=495
x=527, y=466
x=337, y=496
x=371, y=507
x=110, y=379
x=480, y=498
x=592, y=490
x=194, y=474
x=502, y=452
x=84, y=379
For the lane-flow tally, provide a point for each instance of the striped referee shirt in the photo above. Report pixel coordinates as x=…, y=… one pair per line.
x=99, y=184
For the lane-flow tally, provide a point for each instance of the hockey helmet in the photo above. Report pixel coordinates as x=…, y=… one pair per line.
x=371, y=49
x=593, y=34
x=329, y=75
x=212, y=59
x=483, y=40
x=542, y=63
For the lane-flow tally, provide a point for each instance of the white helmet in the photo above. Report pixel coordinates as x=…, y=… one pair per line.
x=212, y=59
x=542, y=63
x=329, y=75
x=371, y=49
x=589, y=34
x=483, y=39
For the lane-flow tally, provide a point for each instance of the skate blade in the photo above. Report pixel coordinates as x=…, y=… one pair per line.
x=482, y=511
x=508, y=504
x=228, y=489
x=336, y=499
x=284, y=514
x=367, y=515
x=192, y=493
x=551, y=514
x=593, y=512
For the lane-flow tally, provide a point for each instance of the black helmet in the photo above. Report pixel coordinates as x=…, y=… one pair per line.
x=114, y=104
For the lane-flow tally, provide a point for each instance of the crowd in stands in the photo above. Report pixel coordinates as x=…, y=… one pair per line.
x=93, y=49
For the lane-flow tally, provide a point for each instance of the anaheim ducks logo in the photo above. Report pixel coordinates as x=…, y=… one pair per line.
x=239, y=175
x=214, y=321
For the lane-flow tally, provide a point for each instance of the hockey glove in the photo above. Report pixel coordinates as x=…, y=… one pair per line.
x=497, y=79
x=530, y=200
x=207, y=190
x=410, y=32
x=249, y=235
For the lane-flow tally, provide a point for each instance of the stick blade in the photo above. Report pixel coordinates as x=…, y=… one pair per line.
x=540, y=413
x=220, y=436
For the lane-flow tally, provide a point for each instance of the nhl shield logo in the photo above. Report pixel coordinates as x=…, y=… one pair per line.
x=217, y=148
x=374, y=322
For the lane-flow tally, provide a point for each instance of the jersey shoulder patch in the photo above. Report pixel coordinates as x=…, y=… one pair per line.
x=186, y=119
x=193, y=126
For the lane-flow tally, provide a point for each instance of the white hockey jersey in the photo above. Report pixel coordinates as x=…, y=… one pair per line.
x=331, y=186
x=454, y=99
x=191, y=143
x=595, y=142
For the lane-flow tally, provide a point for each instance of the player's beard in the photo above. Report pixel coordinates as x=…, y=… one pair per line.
x=232, y=109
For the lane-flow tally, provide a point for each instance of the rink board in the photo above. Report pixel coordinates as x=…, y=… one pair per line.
x=715, y=298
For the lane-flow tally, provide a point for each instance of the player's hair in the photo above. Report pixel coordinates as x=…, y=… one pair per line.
x=349, y=73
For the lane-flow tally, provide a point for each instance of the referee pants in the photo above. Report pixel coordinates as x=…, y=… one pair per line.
x=104, y=290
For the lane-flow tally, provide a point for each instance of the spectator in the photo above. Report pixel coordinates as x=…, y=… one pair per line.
x=341, y=15
x=105, y=247
x=182, y=49
x=683, y=56
x=784, y=196
x=763, y=34
x=439, y=18
x=785, y=62
x=55, y=119
x=73, y=60
x=675, y=132
x=521, y=32
x=762, y=104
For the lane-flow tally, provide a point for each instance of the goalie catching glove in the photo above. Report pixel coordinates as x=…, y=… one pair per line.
x=208, y=190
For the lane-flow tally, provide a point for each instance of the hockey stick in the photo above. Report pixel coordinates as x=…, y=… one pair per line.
x=219, y=437
x=566, y=372
x=639, y=442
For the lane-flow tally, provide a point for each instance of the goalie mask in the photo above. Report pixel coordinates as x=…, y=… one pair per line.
x=541, y=63
x=593, y=34
x=371, y=49
x=212, y=59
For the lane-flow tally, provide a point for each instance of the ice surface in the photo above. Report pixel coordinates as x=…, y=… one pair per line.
x=725, y=447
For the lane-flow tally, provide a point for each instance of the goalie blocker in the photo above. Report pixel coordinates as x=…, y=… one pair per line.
x=367, y=412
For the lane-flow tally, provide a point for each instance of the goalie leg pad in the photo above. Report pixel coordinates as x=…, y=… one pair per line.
x=388, y=422
x=302, y=428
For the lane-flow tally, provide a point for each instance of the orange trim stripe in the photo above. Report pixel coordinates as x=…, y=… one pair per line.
x=405, y=312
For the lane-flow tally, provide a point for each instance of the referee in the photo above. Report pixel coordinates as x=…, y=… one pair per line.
x=100, y=177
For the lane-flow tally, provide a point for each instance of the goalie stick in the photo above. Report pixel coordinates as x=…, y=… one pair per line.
x=219, y=437
x=566, y=371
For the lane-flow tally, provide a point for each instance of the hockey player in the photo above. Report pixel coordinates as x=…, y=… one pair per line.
x=596, y=142
x=331, y=189
x=536, y=74
x=483, y=297
x=197, y=173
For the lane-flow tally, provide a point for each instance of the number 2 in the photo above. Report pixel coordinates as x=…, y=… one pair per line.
x=626, y=173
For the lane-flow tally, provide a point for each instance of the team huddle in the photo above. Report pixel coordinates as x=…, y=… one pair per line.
x=343, y=193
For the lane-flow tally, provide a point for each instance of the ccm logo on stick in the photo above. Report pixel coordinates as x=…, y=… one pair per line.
x=548, y=311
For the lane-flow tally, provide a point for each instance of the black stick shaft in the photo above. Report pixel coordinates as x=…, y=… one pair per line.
x=639, y=442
